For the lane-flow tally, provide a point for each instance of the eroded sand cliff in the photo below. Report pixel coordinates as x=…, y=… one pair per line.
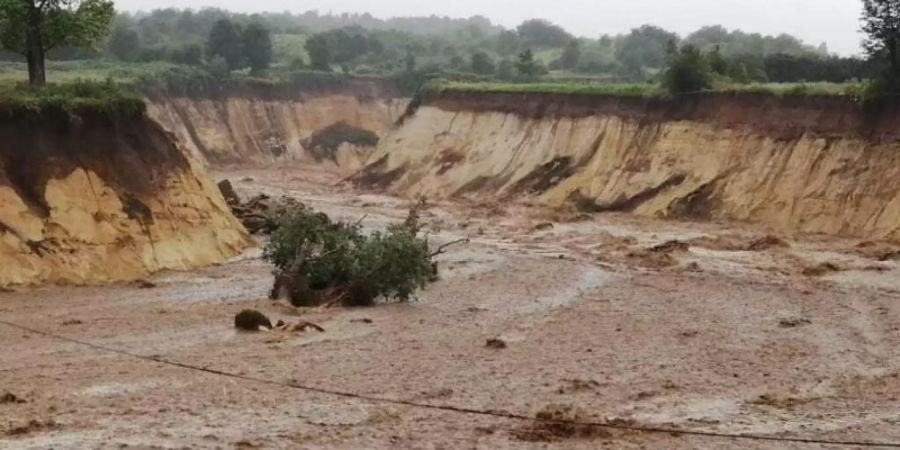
x=798, y=164
x=254, y=127
x=92, y=200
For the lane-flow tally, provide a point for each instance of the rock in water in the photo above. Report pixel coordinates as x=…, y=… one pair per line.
x=250, y=320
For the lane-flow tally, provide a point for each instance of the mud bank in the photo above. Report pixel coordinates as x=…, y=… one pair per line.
x=809, y=164
x=259, y=126
x=91, y=199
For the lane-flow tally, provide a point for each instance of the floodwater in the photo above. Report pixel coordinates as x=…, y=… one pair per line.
x=711, y=336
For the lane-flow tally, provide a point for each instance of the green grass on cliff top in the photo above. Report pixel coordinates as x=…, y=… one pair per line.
x=64, y=100
x=651, y=90
x=168, y=77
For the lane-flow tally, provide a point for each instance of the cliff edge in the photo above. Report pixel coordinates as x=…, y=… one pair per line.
x=91, y=199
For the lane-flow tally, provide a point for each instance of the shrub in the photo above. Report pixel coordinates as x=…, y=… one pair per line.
x=688, y=72
x=318, y=261
x=325, y=142
x=184, y=80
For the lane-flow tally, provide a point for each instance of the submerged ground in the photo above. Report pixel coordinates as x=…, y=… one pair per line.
x=738, y=333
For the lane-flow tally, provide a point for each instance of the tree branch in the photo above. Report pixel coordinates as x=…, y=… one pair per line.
x=442, y=249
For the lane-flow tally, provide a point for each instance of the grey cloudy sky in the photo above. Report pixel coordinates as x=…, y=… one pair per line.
x=815, y=21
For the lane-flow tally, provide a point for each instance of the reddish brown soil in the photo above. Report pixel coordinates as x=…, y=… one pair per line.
x=722, y=340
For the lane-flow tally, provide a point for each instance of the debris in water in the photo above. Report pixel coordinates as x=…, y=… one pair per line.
x=298, y=327
x=779, y=401
x=575, y=385
x=766, y=243
x=227, y=190
x=737, y=243
x=250, y=320
x=889, y=256
x=10, y=398
x=31, y=427
x=496, y=343
x=659, y=256
x=263, y=215
x=144, y=284
x=557, y=423
x=670, y=247
x=821, y=269
x=693, y=267
x=794, y=322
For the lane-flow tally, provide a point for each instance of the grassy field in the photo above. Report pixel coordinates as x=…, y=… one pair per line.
x=93, y=70
x=193, y=79
x=175, y=78
x=556, y=88
x=653, y=90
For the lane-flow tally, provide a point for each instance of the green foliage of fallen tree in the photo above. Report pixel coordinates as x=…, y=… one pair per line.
x=318, y=261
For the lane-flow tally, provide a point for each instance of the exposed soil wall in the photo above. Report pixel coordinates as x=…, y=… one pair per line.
x=261, y=126
x=812, y=164
x=90, y=200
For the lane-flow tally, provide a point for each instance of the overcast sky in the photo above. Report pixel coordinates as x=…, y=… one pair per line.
x=815, y=21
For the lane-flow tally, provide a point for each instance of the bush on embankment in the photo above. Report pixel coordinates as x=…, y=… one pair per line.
x=104, y=99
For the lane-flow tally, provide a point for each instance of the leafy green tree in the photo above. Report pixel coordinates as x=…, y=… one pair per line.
x=319, y=53
x=457, y=63
x=124, y=43
x=881, y=23
x=258, y=47
x=527, y=66
x=785, y=68
x=482, y=64
x=738, y=72
x=32, y=27
x=507, y=42
x=348, y=43
x=506, y=70
x=571, y=55
x=646, y=47
x=754, y=67
x=410, y=61
x=225, y=40
x=191, y=54
x=717, y=62
x=317, y=260
x=218, y=68
x=541, y=33
x=733, y=43
x=688, y=72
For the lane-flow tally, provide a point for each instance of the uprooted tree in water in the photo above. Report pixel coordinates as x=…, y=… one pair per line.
x=318, y=261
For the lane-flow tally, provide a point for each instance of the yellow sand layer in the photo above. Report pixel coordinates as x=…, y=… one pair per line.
x=837, y=185
x=93, y=231
x=235, y=130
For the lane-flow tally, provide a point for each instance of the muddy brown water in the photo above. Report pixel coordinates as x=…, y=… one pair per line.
x=704, y=339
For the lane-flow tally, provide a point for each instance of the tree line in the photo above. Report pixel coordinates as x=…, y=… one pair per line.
x=364, y=45
x=361, y=44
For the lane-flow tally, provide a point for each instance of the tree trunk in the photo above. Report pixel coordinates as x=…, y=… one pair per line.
x=34, y=51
